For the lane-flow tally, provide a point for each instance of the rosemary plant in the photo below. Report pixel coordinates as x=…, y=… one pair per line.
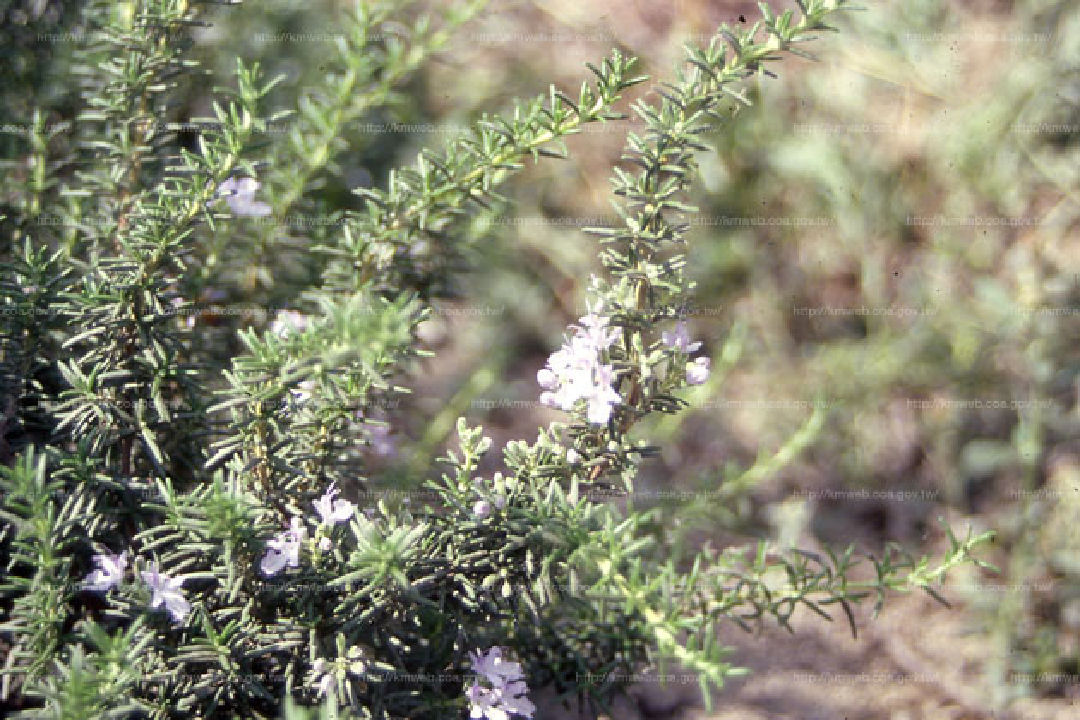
x=177, y=536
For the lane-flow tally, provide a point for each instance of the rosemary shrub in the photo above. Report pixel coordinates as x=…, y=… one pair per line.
x=178, y=537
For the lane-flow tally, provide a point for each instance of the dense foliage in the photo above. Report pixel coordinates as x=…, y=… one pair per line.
x=178, y=537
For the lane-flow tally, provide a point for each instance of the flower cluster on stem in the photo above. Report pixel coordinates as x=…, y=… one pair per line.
x=283, y=550
x=577, y=371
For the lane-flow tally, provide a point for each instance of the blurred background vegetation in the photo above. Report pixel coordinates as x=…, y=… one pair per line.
x=888, y=273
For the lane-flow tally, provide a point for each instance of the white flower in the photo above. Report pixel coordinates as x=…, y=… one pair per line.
x=166, y=591
x=333, y=511
x=109, y=573
x=482, y=509
x=289, y=321
x=327, y=680
x=679, y=339
x=302, y=392
x=325, y=544
x=239, y=193
x=697, y=372
x=357, y=661
x=572, y=456
x=285, y=548
x=547, y=379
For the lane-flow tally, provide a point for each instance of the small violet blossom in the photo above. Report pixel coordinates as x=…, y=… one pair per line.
x=302, y=392
x=239, y=194
x=379, y=437
x=482, y=509
x=109, y=572
x=167, y=592
x=680, y=339
x=333, y=511
x=506, y=696
x=575, y=371
x=697, y=372
x=494, y=667
x=284, y=549
x=381, y=442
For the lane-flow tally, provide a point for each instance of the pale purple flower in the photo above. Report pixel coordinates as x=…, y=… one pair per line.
x=327, y=673
x=284, y=549
x=333, y=511
x=485, y=704
x=575, y=371
x=109, y=573
x=506, y=696
x=482, y=509
x=494, y=667
x=514, y=700
x=167, y=592
x=379, y=434
x=381, y=442
x=239, y=194
x=601, y=396
x=697, y=372
x=594, y=326
x=680, y=339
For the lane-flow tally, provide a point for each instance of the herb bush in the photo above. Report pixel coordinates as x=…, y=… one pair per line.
x=178, y=535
